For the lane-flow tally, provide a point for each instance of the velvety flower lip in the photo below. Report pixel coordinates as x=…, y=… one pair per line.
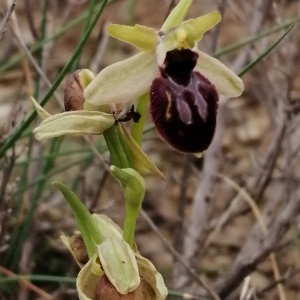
x=127, y=80
x=184, y=103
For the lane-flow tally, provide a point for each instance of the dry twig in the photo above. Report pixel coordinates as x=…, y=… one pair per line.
x=6, y=18
x=246, y=264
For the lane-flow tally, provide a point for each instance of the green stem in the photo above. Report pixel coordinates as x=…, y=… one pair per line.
x=15, y=235
x=134, y=191
x=130, y=223
x=86, y=26
x=137, y=128
x=119, y=151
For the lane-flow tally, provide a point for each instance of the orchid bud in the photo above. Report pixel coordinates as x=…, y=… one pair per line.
x=79, y=248
x=76, y=83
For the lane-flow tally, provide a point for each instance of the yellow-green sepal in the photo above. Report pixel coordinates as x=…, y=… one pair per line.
x=119, y=264
x=199, y=26
x=108, y=228
x=123, y=81
x=86, y=281
x=150, y=274
x=43, y=114
x=226, y=82
x=78, y=122
x=177, y=15
x=144, y=38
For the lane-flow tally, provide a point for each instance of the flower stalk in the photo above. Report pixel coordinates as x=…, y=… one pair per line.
x=134, y=191
x=118, y=149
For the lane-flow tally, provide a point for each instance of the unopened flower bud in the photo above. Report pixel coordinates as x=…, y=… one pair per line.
x=75, y=85
x=79, y=249
x=106, y=291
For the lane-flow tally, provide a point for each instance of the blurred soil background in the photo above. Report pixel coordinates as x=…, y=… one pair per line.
x=232, y=215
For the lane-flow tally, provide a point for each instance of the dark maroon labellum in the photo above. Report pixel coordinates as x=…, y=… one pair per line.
x=183, y=103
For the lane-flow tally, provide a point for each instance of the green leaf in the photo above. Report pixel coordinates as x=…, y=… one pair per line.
x=265, y=53
x=86, y=223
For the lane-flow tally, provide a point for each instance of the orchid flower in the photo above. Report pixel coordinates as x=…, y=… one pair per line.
x=183, y=81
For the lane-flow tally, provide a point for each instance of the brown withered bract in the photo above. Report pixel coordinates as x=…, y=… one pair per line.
x=79, y=248
x=73, y=94
x=183, y=103
x=106, y=291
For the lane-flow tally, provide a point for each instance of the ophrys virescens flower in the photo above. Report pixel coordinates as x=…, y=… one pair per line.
x=183, y=81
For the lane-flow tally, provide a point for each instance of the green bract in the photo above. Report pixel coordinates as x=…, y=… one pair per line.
x=129, y=79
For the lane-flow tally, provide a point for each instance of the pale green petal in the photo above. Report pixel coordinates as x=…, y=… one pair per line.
x=150, y=274
x=177, y=15
x=144, y=38
x=86, y=282
x=123, y=81
x=43, y=114
x=141, y=161
x=202, y=24
x=107, y=227
x=74, y=123
x=226, y=82
x=119, y=264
